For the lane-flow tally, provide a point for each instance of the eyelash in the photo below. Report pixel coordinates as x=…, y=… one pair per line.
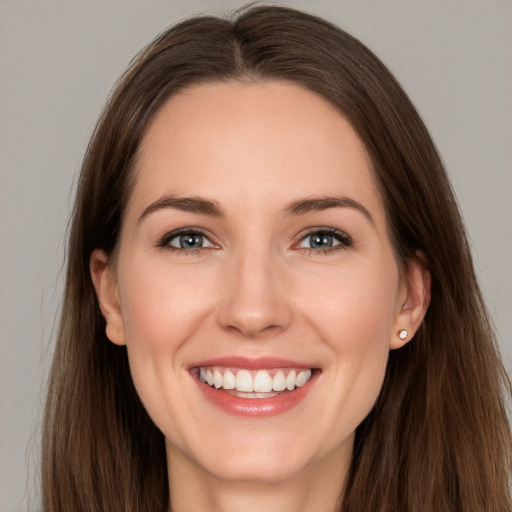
x=164, y=242
x=345, y=241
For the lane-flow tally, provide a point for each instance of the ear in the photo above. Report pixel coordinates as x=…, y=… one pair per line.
x=414, y=301
x=105, y=284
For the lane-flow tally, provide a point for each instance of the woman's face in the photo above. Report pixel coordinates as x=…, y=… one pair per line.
x=254, y=253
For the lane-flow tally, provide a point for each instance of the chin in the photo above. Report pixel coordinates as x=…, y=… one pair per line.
x=271, y=469
x=250, y=458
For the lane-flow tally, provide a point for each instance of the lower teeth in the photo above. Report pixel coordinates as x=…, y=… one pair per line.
x=243, y=394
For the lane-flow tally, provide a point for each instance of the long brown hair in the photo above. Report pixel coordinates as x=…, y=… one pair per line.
x=437, y=439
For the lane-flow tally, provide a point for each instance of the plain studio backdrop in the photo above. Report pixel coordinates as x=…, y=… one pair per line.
x=58, y=62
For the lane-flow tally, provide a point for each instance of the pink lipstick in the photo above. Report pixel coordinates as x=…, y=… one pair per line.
x=260, y=387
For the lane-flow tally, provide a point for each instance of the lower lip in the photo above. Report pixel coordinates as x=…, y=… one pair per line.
x=256, y=407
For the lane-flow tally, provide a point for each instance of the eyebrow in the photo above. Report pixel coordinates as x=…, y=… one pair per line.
x=317, y=204
x=213, y=209
x=185, y=204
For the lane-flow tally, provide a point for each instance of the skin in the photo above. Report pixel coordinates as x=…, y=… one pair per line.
x=257, y=288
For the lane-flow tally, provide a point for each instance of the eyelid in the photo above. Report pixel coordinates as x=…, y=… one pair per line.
x=163, y=242
x=345, y=240
x=342, y=237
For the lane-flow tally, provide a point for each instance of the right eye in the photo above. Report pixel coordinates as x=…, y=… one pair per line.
x=186, y=240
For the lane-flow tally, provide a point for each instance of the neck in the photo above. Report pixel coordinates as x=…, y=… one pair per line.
x=316, y=488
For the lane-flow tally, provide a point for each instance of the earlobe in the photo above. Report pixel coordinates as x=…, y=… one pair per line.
x=105, y=284
x=415, y=305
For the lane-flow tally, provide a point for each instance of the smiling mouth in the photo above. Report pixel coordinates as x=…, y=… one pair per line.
x=244, y=383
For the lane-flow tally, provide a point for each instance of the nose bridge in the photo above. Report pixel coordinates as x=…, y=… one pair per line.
x=255, y=301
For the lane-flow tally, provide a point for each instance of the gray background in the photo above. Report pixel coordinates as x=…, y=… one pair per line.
x=58, y=61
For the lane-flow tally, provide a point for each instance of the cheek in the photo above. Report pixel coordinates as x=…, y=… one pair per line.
x=354, y=316
x=361, y=312
x=162, y=308
x=355, y=306
x=161, y=304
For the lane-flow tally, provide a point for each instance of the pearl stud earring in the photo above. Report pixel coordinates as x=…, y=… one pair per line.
x=402, y=334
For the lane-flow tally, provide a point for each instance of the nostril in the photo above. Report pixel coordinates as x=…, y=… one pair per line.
x=255, y=331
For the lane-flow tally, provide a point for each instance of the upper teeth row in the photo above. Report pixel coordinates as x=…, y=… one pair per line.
x=262, y=382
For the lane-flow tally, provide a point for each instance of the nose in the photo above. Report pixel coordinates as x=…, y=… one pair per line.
x=256, y=301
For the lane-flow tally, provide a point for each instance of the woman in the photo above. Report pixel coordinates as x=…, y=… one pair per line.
x=270, y=300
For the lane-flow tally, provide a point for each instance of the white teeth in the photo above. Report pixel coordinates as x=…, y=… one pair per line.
x=229, y=380
x=279, y=381
x=260, y=382
x=302, y=378
x=290, y=380
x=217, y=379
x=244, y=381
x=253, y=395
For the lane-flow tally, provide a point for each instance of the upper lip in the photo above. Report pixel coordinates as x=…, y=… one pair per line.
x=249, y=363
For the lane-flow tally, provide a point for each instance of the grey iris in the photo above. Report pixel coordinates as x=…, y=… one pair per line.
x=191, y=241
x=321, y=240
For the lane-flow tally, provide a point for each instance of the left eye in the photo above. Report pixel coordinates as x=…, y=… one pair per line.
x=189, y=240
x=323, y=240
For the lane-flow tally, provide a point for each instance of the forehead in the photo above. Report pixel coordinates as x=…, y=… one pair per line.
x=253, y=141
